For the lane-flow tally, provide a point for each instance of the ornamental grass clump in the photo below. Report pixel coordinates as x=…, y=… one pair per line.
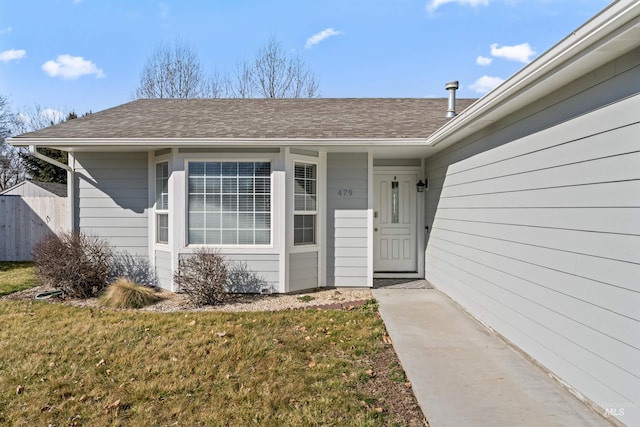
x=124, y=293
x=76, y=263
x=202, y=277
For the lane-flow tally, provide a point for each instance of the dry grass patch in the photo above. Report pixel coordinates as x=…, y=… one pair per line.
x=64, y=365
x=123, y=293
x=16, y=276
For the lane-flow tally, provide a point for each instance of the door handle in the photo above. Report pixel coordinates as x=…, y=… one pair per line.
x=375, y=229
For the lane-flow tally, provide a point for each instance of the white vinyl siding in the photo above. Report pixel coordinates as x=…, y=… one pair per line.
x=347, y=219
x=163, y=269
x=303, y=271
x=111, y=198
x=229, y=203
x=540, y=239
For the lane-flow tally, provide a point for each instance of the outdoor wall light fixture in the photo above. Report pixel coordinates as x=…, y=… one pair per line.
x=421, y=186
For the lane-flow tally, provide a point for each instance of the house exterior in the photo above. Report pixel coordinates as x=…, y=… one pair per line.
x=295, y=190
x=530, y=220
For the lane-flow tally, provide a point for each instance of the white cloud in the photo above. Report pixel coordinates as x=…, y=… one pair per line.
x=77, y=1
x=521, y=52
x=6, y=30
x=12, y=55
x=434, y=4
x=485, y=84
x=71, y=67
x=317, y=38
x=483, y=60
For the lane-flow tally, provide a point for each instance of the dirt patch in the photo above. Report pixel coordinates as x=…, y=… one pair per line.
x=389, y=381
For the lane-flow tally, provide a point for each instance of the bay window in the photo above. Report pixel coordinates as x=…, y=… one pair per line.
x=229, y=203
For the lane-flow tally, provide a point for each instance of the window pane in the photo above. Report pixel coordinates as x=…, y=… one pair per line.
x=227, y=204
x=229, y=220
x=196, y=236
x=212, y=220
x=395, y=202
x=196, y=185
x=229, y=237
x=263, y=168
x=196, y=202
x=245, y=237
x=263, y=237
x=245, y=185
x=213, y=203
x=245, y=203
x=304, y=229
x=213, y=185
x=213, y=237
x=213, y=168
x=162, y=232
x=230, y=185
x=196, y=220
x=196, y=169
x=229, y=169
x=245, y=169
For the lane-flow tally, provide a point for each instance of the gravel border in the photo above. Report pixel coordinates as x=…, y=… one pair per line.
x=326, y=299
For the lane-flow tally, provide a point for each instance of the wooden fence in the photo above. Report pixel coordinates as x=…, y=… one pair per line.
x=24, y=221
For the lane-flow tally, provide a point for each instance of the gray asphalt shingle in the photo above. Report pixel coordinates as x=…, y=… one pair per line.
x=341, y=118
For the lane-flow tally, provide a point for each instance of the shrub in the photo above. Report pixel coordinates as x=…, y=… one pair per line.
x=202, y=277
x=124, y=293
x=137, y=269
x=76, y=263
x=241, y=279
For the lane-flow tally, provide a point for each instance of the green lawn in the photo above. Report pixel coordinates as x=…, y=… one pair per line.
x=71, y=366
x=16, y=276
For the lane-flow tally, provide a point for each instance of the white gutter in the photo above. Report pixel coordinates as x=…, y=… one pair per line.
x=614, y=30
x=195, y=142
x=33, y=150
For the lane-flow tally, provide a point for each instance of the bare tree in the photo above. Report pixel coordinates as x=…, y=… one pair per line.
x=175, y=71
x=273, y=74
x=12, y=170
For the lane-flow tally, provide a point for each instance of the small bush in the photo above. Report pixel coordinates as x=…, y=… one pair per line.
x=76, y=263
x=124, y=293
x=241, y=279
x=202, y=277
x=137, y=269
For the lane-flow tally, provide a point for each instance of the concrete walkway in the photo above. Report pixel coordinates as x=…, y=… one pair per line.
x=463, y=375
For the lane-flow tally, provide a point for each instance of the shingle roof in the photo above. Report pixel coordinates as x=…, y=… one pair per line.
x=260, y=118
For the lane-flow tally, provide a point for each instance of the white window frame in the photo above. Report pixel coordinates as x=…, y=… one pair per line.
x=305, y=212
x=159, y=211
x=224, y=159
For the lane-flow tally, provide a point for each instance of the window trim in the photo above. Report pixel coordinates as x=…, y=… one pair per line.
x=223, y=159
x=161, y=212
x=305, y=212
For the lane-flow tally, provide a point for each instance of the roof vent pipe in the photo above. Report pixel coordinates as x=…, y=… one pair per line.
x=451, y=109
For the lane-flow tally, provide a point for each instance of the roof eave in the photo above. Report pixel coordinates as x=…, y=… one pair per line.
x=619, y=23
x=199, y=142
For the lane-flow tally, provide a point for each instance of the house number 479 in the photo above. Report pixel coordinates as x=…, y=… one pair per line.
x=346, y=192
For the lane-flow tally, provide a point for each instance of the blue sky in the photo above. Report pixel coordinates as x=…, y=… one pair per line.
x=86, y=55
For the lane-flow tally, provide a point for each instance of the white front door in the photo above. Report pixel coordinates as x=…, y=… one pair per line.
x=394, y=222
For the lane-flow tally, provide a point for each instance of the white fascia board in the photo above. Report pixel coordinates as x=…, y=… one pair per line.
x=70, y=143
x=618, y=24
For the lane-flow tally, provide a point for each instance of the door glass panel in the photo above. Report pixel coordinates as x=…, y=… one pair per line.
x=395, y=202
